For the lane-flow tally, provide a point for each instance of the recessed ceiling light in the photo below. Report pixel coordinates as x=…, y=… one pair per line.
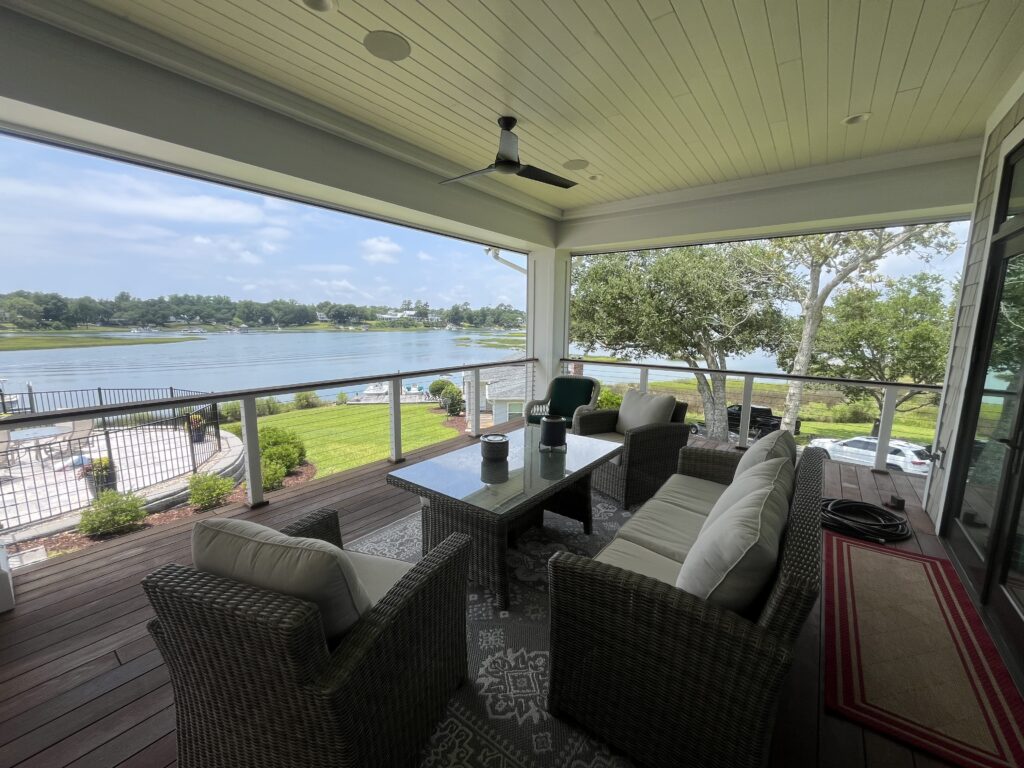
x=596, y=176
x=387, y=45
x=320, y=6
x=857, y=118
x=575, y=165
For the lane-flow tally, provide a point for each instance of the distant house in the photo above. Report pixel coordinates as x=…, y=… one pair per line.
x=321, y=317
x=389, y=315
x=502, y=391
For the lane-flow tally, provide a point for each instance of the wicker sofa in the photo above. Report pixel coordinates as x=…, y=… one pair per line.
x=648, y=458
x=661, y=674
x=256, y=683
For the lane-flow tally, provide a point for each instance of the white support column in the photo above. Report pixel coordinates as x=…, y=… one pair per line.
x=748, y=396
x=644, y=374
x=395, y=419
x=251, y=443
x=547, y=313
x=473, y=408
x=885, y=427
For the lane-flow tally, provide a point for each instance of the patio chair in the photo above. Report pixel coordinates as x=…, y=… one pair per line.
x=648, y=458
x=565, y=396
x=256, y=684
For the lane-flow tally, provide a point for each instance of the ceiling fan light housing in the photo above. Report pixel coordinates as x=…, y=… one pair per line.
x=386, y=45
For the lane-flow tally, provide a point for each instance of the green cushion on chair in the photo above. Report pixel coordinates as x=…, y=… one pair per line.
x=568, y=394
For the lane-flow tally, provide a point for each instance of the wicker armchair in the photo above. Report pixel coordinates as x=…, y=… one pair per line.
x=565, y=397
x=255, y=683
x=648, y=458
x=668, y=678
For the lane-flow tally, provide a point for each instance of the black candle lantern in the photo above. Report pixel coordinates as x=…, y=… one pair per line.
x=552, y=433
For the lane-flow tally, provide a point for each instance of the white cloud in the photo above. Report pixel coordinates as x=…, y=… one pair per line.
x=380, y=250
x=201, y=240
x=328, y=268
x=424, y=256
x=248, y=257
x=121, y=195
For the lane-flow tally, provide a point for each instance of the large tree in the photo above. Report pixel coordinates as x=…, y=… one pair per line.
x=827, y=262
x=700, y=305
x=898, y=330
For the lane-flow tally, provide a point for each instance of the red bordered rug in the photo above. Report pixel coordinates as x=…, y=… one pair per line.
x=907, y=655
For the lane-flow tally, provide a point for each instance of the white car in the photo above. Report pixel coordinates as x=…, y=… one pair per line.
x=903, y=456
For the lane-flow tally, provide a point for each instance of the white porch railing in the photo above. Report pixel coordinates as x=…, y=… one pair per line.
x=363, y=422
x=621, y=375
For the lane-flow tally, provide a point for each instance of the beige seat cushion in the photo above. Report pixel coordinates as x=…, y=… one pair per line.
x=632, y=557
x=670, y=521
x=377, y=574
x=774, y=445
x=309, y=569
x=663, y=528
x=639, y=409
x=736, y=553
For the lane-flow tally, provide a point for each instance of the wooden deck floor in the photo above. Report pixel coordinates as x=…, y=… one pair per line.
x=81, y=683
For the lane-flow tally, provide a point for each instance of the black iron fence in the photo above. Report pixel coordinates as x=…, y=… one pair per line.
x=51, y=470
x=44, y=401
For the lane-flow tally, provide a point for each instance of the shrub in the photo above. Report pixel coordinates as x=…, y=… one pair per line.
x=609, y=399
x=273, y=436
x=268, y=406
x=451, y=398
x=285, y=455
x=112, y=512
x=341, y=399
x=856, y=412
x=437, y=386
x=304, y=400
x=209, y=491
x=273, y=475
x=231, y=411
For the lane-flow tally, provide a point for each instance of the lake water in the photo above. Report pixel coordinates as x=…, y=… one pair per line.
x=219, y=362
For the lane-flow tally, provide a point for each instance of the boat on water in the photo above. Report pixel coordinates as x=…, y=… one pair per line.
x=378, y=392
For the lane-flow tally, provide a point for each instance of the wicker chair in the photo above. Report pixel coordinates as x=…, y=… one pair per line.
x=666, y=677
x=648, y=458
x=255, y=683
x=565, y=397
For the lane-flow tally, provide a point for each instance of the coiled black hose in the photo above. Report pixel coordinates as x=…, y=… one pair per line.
x=864, y=521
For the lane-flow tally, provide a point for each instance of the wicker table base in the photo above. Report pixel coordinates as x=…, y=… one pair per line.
x=491, y=534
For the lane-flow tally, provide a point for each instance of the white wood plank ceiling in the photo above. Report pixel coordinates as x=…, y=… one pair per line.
x=656, y=94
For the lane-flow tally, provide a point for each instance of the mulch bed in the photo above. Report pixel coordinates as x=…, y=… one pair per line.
x=71, y=541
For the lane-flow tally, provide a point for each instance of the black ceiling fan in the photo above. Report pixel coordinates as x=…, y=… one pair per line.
x=507, y=160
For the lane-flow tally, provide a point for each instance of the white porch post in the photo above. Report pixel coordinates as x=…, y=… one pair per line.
x=395, y=420
x=547, y=313
x=885, y=421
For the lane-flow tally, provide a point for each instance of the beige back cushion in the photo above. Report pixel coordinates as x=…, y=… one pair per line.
x=774, y=445
x=638, y=410
x=738, y=547
x=309, y=569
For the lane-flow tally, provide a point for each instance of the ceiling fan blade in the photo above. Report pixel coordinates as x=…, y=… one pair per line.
x=508, y=146
x=530, y=172
x=488, y=169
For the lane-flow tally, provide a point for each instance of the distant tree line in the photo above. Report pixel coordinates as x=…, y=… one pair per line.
x=35, y=310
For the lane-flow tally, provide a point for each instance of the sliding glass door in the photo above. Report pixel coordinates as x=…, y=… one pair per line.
x=986, y=528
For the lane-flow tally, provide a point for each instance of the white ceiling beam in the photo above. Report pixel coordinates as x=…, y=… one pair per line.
x=57, y=86
x=880, y=196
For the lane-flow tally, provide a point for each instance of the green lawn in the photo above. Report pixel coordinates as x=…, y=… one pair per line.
x=347, y=436
x=20, y=343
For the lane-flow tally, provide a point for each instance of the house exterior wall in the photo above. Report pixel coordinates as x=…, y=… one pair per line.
x=967, y=312
x=500, y=411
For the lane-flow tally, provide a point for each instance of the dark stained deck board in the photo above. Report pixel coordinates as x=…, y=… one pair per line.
x=82, y=684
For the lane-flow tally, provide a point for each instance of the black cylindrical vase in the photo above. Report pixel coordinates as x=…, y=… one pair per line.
x=552, y=431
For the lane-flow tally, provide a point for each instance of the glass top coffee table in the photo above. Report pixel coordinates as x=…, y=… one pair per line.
x=493, y=501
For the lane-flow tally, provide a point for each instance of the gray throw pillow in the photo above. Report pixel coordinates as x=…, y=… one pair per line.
x=638, y=410
x=309, y=569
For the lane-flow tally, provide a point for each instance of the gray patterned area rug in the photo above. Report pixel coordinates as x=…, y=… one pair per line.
x=498, y=719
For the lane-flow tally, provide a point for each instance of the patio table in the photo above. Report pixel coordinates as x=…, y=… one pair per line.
x=462, y=493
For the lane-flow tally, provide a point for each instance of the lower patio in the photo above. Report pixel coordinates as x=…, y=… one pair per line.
x=81, y=682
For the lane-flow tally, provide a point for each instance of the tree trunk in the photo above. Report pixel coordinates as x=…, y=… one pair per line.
x=712, y=393
x=801, y=364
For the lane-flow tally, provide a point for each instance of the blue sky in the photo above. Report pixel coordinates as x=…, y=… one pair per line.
x=83, y=225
